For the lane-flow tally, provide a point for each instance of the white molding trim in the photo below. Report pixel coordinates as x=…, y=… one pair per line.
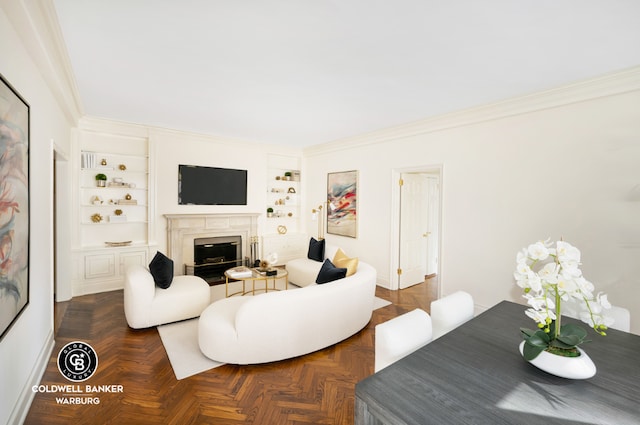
x=182, y=229
x=36, y=22
x=606, y=85
x=22, y=406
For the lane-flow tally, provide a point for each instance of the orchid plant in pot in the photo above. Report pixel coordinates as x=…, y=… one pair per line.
x=550, y=275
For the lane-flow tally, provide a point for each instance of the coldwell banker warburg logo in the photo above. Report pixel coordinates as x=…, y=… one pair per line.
x=77, y=361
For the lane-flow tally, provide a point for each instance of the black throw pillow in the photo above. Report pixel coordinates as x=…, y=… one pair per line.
x=329, y=272
x=161, y=268
x=316, y=250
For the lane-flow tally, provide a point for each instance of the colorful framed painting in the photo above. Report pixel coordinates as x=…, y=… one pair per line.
x=14, y=206
x=342, y=199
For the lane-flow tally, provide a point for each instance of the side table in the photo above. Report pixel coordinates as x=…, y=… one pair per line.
x=246, y=274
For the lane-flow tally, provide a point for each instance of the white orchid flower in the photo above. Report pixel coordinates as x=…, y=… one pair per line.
x=567, y=252
x=603, y=300
x=538, y=251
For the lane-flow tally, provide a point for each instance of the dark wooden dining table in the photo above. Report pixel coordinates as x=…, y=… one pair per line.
x=475, y=374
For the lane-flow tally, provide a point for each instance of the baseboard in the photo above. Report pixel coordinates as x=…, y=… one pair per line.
x=21, y=409
x=84, y=288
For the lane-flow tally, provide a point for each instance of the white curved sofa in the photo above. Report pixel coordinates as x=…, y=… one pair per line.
x=280, y=325
x=303, y=271
x=146, y=305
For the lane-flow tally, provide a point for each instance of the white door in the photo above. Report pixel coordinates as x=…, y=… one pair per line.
x=419, y=224
x=414, y=208
x=433, y=220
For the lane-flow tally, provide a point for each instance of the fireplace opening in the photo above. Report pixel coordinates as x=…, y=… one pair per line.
x=213, y=256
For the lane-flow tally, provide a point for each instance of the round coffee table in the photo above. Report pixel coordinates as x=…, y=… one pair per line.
x=246, y=274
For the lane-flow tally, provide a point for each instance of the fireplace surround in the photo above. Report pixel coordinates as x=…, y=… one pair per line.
x=184, y=229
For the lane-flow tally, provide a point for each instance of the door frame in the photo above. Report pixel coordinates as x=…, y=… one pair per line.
x=395, y=220
x=61, y=223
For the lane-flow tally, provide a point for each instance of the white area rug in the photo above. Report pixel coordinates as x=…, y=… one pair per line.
x=180, y=339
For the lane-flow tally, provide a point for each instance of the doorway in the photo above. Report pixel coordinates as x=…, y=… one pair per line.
x=416, y=225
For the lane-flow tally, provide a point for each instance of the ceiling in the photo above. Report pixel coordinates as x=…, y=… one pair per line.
x=305, y=72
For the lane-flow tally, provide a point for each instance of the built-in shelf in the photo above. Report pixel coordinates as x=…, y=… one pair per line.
x=98, y=266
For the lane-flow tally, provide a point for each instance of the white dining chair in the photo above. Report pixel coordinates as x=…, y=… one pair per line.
x=451, y=311
x=401, y=336
x=621, y=317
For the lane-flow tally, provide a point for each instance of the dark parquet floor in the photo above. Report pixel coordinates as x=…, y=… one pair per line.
x=314, y=389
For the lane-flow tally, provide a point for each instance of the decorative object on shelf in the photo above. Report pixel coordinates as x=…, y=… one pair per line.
x=269, y=212
x=290, y=214
x=118, y=212
x=128, y=197
x=282, y=229
x=127, y=202
x=14, y=210
x=278, y=177
x=96, y=200
x=549, y=274
x=88, y=160
x=101, y=180
x=118, y=182
x=287, y=176
x=122, y=167
x=115, y=244
x=342, y=190
x=96, y=218
x=291, y=190
x=103, y=162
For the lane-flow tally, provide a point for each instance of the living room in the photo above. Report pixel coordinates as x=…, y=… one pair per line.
x=559, y=163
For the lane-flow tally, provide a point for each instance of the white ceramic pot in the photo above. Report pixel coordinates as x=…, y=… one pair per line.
x=581, y=367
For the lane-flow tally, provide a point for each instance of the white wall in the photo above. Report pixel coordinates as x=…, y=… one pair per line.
x=569, y=172
x=24, y=351
x=174, y=148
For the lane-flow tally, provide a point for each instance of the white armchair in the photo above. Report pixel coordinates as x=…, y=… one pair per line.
x=147, y=305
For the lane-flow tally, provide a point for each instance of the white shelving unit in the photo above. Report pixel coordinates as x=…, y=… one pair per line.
x=113, y=222
x=283, y=231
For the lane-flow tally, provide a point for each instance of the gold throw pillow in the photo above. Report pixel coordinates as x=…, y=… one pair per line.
x=341, y=260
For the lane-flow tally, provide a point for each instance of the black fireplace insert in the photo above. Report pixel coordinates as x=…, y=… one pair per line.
x=212, y=256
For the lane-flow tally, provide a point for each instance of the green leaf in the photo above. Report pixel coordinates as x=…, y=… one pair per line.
x=570, y=336
x=572, y=329
x=560, y=344
x=530, y=352
x=537, y=339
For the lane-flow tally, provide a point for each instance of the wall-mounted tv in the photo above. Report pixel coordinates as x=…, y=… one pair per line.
x=198, y=185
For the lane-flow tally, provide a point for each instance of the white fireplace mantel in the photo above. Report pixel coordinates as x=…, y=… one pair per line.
x=182, y=229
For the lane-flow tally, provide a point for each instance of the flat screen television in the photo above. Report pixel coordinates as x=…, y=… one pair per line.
x=198, y=185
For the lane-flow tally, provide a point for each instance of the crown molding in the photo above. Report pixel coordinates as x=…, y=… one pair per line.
x=36, y=23
x=606, y=85
x=133, y=130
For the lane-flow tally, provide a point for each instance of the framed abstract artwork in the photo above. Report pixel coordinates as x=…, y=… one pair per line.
x=14, y=206
x=342, y=200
